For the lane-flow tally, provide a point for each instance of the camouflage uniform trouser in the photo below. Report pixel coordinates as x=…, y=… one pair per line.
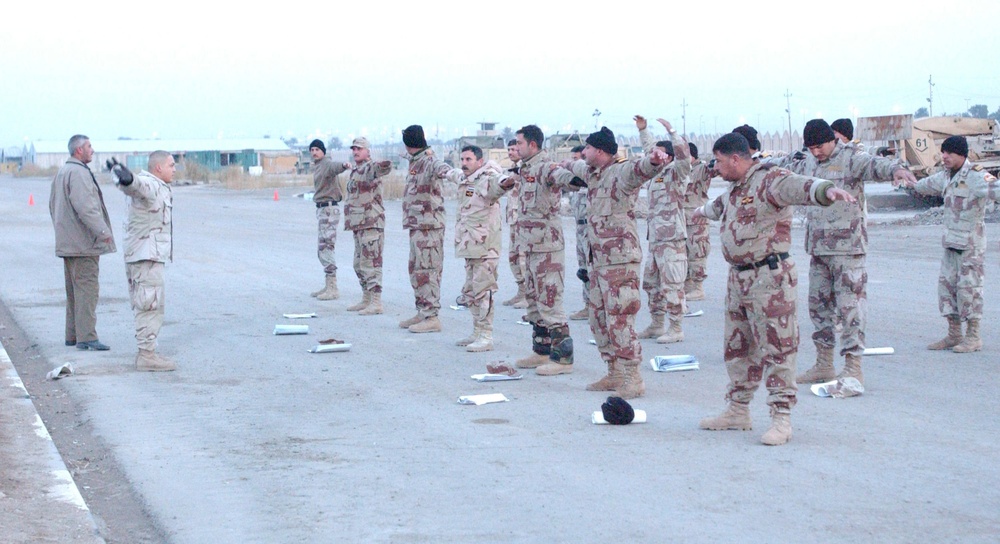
x=145, y=289
x=543, y=283
x=368, y=245
x=581, y=255
x=762, y=334
x=614, y=295
x=82, y=292
x=328, y=218
x=699, y=245
x=426, y=264
x=516, y=261
x=663, y=278
x=480, y=285
x=960, y=286
x=837, y=285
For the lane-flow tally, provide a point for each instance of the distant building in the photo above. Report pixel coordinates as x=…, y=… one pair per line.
x=272, y=156
x=10, y=159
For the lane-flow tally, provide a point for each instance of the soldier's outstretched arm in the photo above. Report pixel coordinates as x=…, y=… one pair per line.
x=646, y=139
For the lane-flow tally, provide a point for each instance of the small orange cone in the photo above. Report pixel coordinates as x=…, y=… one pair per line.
x=275, y=195
x=31, y=200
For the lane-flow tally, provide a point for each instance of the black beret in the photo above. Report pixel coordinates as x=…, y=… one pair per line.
x=319, y=144
x=617, y=411
x=817, y=132
x=845, y=127
x=413, y=136
x=604, y=140
x=957, y=145
x=694, y=150
x=750, y=134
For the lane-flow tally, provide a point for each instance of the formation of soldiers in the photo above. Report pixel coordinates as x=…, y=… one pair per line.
x=761, y=336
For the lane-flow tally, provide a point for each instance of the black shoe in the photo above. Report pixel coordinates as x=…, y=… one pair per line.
x=95, y=345
x=71, y=342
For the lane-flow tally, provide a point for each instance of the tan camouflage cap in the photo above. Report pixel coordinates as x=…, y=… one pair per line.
x=361, y=142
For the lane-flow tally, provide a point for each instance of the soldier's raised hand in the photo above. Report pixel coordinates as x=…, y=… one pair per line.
x=902, y=176
x=508, y=183
x=666, y=124
x=658, y=156
x=121, y=172
x=834, y=194
x=385, y=164
x=640, y=122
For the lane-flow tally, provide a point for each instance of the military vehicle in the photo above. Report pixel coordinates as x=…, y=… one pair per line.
x=488, y=139
x=918, y=141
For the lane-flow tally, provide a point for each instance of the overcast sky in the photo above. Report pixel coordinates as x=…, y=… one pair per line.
x=212, y=69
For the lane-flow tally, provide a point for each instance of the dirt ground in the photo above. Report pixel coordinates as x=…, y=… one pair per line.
x=255, y=440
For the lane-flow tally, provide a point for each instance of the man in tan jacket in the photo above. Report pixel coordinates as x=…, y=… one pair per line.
x=83, y=234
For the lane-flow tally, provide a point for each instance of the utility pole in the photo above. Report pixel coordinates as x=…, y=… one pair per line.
x=597, y=118
x=788, y=110
x=930, y=97
x=684, y=117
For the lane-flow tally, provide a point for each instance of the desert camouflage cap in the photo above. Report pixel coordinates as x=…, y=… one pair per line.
x=361, y=142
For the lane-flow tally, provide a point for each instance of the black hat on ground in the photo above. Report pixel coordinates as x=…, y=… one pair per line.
x=413, y=136
x=604, y=140
x=617, y=411
x=845, y=127
x=957, y=145
x=318, y=143
x=750, y=134
x=817, y=132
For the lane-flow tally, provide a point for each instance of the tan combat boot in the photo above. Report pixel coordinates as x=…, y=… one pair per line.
x=632, y=385
x=695, y=292
x=407, y=323
x=972, y=341
x=431, y=324
x=476, y=331
x=674, y=333
x=365, y=300
x=579, y=316
x=519, y=297
x=822, y=371
x=483, y=343
x=852, y=368
x=655, y=328
x=331, y=292
x=954, y=337
x=780, y=431
x=735, y=418
x=612, y=381
x=534, y=360
x=148, y=361
x=374, y=305
x=552, y=368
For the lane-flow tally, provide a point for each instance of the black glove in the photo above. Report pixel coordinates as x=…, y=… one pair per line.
x=120, y=171
x=799, y=155
x=578, y=182
x=515, y=170
x=617, y=411
x=711, y=164
x=583, y=275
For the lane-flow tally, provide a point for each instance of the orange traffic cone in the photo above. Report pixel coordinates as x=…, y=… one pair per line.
x=275, y=195
x=31, y=200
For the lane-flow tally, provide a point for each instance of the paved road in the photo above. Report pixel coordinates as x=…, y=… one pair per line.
x=255, y=440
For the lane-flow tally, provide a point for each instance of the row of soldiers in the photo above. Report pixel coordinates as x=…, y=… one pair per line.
x=761, y=336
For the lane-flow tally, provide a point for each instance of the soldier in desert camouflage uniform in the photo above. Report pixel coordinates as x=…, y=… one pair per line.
x=843, y=129
x=539, y=238
x=966, y=190
x=837, y=239
x=364, y=215
x=514, y=257
x=666, y=268
x=578, y=203
x=148, y=245
x=327, y=197
x=423, y=216
x=615, y=256
x=699, y=244
x=477, y=240
x=761, y=335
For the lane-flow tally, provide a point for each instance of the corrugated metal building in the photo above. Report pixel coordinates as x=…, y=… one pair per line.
x=272, y=155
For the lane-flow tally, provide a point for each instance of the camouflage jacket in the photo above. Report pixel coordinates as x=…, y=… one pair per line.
x=612, y=236
x=512, y=198
x=423, y=203
x=697, y=192
x=966, y=195
x=666, y=192
x=149, y=228
x=477, y=231
x=539, y=227
x=363, y=207
x=578, y=204
x=842, y=229
x=756, y=214
x=325, y=183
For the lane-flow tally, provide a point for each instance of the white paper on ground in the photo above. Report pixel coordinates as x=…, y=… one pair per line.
x=674, y=363
x=457, y=308
x=592, y=341
x=328, y=348
x=698, y=313
x=298, y=316
x=482, y=399
x=66, y=369
x=496, y=377
x=291, y=329
x=879, y=351
x=523, y=322
x=839, y=389
x=598, y=417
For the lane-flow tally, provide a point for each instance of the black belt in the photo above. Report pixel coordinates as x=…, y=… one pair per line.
x=581, y=221
x=326, y=203
x=771, y=261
